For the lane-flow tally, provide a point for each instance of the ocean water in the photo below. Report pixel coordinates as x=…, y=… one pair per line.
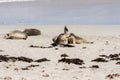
x=53, y=12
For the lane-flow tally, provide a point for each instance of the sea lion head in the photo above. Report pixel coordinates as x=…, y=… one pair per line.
x=62, y=39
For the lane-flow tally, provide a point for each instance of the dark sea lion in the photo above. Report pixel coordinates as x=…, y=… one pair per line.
x=32, y=32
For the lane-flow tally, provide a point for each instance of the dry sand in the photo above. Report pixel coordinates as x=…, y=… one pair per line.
x=106, y=41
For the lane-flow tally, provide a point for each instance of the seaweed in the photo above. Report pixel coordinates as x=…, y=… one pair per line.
x=99, y=60
x=76, y=61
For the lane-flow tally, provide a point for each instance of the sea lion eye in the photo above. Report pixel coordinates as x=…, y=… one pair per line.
x=7, y=34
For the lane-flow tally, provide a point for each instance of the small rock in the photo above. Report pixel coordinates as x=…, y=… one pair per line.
x=46, y=75
x=1, y=50
x=25, y=68
x=94, y=66
x=65, y=69
x=84, y=47
x=83, y=67
x=56, y=48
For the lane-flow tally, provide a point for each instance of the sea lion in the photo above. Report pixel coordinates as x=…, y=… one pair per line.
x=73, y=39
x=32, y=32
x=16, y=35
x=62, y=38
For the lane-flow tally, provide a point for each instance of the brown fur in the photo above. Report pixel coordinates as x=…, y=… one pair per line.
x=73, y=39
x=32, y=32
x=62, y=39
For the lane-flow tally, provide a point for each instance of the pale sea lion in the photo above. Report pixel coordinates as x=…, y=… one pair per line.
x=73, y=39
x=61, y=38
x=32, y=32
x=16, y=35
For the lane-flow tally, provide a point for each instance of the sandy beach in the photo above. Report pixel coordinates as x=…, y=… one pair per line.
x=106, y=47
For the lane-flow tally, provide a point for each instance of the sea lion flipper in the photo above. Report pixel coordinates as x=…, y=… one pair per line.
x=65, y=29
